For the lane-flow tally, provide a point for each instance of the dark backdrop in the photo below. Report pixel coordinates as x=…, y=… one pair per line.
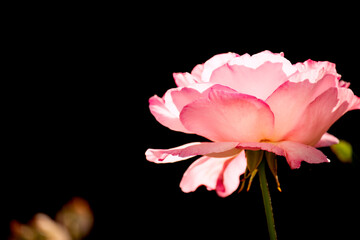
x=78, y=124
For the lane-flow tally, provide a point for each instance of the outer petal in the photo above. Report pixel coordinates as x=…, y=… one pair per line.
x=222, y=149
x=220, y=174
x=166, y=110
x=356, y=104
x=166, y=114
x=294, y=152
x=204, y=171
x=354, y=101
x=344, y=84
x=229, y=117
x=290, y=100
x=230, y=179
x=197, y=72
x=314, y=71
x=214, y=63
x=320, y=115
x=184, y=79
x=327, y=140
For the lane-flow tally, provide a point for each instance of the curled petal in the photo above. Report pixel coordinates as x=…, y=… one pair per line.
x=166, y=114
x=230, y=179
x=220, y=149
x=327, y=140
x=184, y=79
x=204, y=171
x=220, y=174
x=344, y=84
x=295, y=153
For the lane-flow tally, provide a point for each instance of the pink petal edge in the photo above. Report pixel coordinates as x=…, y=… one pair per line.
x=327, y=140
x=190, y=150
x=294, y=152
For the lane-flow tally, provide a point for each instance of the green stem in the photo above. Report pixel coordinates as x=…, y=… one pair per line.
x=267, y=201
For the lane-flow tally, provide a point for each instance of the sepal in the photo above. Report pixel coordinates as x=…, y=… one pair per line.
x=272, y=163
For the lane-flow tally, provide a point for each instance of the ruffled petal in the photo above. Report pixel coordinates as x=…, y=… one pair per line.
x=218, y=149
x=313, y=71
x=354, y=101
x=197, y=72
x=166, y=110
x=184, y=79
x=294, y=152
x=166, y=114
x=228, y=117
x=214, y=63
x=220, y=174
x=258, y=75
x=327, y=140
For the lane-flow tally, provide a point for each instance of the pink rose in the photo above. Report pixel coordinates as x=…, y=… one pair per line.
x=250, y=102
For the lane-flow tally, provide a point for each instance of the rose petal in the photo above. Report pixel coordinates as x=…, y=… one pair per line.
x=354, y=101
x=290, y=100
x=230, y=179
x=166, y=110
x=228, y=117
x=294, y=152
x=222, y=149
x=165, y=114
x=327, y=140
x=204, y=171
x=197, y=72
x=313, y=71
x=258, y=75
x=320, y=115
x=297, y=152
x=214, y=63
x=220, y=174
x=184, y=79
x=344, y=84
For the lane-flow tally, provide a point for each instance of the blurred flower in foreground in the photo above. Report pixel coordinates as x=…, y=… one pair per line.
x=77, y=217
x=41, y=227
x=73, y=222
x=343, y=150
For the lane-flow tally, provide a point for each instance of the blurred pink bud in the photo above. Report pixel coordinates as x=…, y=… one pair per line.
x=77, y=217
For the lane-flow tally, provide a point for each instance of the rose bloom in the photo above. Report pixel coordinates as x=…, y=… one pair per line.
x=250, y=102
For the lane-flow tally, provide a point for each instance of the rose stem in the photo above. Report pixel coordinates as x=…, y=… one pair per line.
x=267, y=201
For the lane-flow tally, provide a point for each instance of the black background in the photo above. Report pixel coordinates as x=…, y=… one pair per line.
x=77, y=123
